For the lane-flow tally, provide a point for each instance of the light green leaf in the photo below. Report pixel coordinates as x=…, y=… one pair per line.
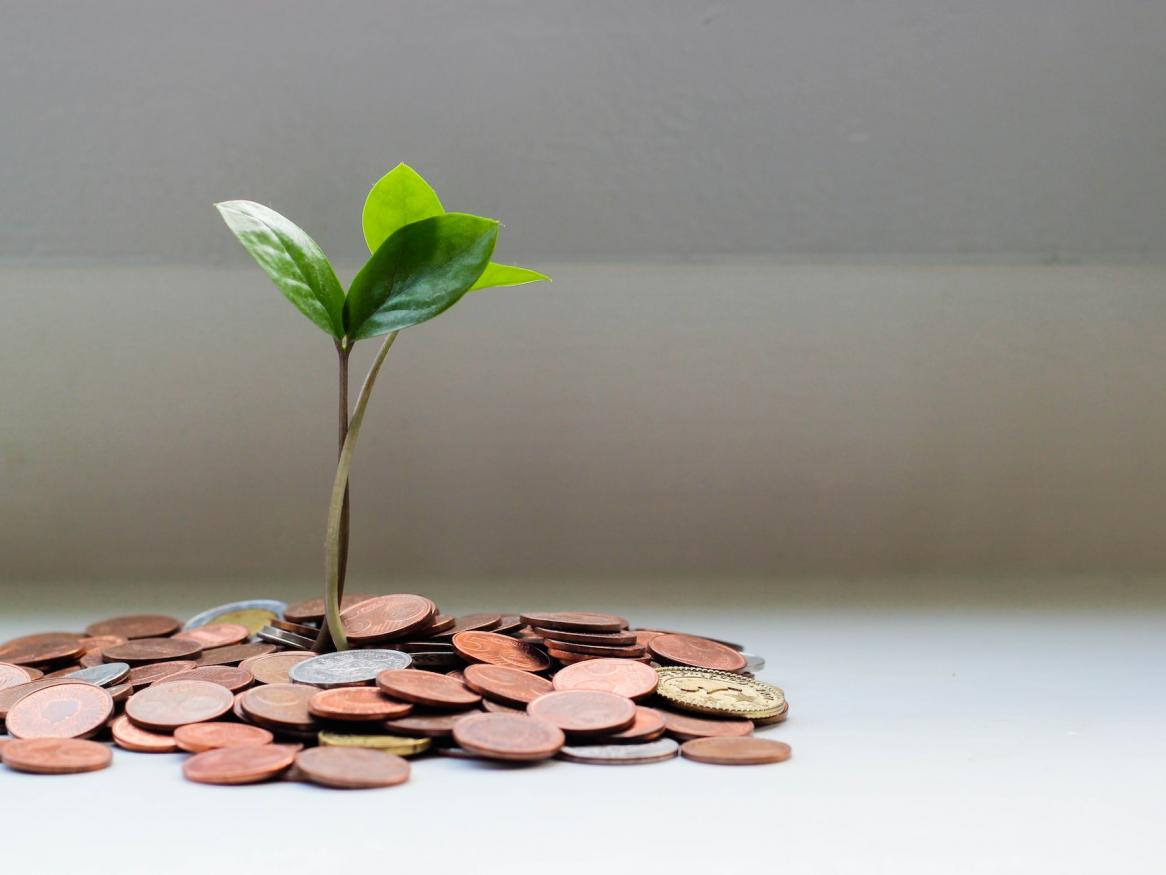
x=421, y=271
x=399, y=198
x=497, y=274
x=296, y=265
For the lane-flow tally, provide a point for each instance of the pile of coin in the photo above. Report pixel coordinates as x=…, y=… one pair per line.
x=237, y=689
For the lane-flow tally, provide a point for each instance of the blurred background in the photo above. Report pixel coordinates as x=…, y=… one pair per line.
x=841, y=291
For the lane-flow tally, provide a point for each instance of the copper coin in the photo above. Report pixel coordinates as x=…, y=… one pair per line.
x=472, y=623
x=621, y=676
x=427, y=725
x=246, y=764
x=280, y=706
x=731, y=645
x=510, y=623
x=145, y=650
x=144, y=675
x=647, y=726
x=312, y=610
x=736, y=751
x=56, y=756
x=439, y=625
x=387, y=617
x=499, y=708
x=572, y=658
x=352, y=768
x=426, y=688
x=294, y=628
x=631, y=651
x=602, y=639
x=508, y=737
x=42, y=649
x=234, y=654
x=75, y=710
x=12, y=695
x=584, y=712
x=508, y=685
x=499, y=650
x=121, y=693
x=215, y=635
x=696, y=652
x=229, y=676
x=356, y=704
x=685, y=727
x=136, y=626
x=272, y=668
x=575, y=621
x=97, y=643
x=199, y=737
x=92, y=658
x=131, y=737
x=12, y=675
x=165, y=707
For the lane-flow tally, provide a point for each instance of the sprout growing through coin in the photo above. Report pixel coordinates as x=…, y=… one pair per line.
x=424, y=260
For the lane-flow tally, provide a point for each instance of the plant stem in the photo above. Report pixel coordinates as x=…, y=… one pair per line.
x=343, y=351
x=332, y=565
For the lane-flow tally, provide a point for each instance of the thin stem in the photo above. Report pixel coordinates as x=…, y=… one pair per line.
x=343, y=351
x=336, y=505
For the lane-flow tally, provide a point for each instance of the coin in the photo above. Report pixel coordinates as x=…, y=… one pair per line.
x=144, y=650
x=247, y=764
x=165, y=707
x=572, y=658
x=12, y=695
x=199, y=737
x=736, y=751
x=508, y=737
x=511, y=686
x=135, y=626
x=352, y=768
x=347, y=668
x=73, y=710
x=718, y=692
x=215, y=635
x=427, y=688
x=696, y=652
x=120, y=693
x=280, y=706
x=144, y=675
x=622, y=638
x=56, y=756
x=499, y=708
x=399, y=745
x=575, y=621
x=685, y=727
x=657, y=632
x=252, y=613
x=312, y=610
x=42, y=649
x=12, y=675
x=471, y=623
x=131, y=737
x=106, y=675
x=584, y=712
x=621, y=754
x=753, y=662
x=272, y=635
x=234, y=654
x=387, y=617
x=630, y=679
x=427, y=725
x=231, y=677
x=295, y=628
x=357, y=704
x=440, y=624
x=272, y=668
x=647, y=726
x=631, y=652
x=776, y=718
x=499, y=650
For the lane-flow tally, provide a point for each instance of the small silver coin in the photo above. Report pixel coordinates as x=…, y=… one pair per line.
x=621, y=754
x=347, y=668
x=105, y=675
x=288, y=639
x=276, y=607
x=753, y=662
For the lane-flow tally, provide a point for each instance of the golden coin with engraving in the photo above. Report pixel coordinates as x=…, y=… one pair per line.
x=398, y=744
x=718, y=692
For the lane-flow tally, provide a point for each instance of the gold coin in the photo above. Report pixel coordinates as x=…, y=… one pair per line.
x=253, y=618
x=718, y=692
x=398, y=744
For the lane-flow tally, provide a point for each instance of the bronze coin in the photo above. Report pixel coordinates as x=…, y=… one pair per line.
x=136, y=626
x=272, y=668
x=280, y=706
x=387, y=617
x=56, y=756
x=215, y=635
x=499, y=708
x=12, y=675
x=42, y=649
x=141, y=651
x=439, y=625
x=602, y=639
x=630, y=652
x=736, y=751
x=165, y=707
x=696, y=652
x=246, y=764
x=575, y=621
x=426, y=688
x=75, y=710
x=12, y=695
x=294, y=628
x=131, y=737
x=427, y=725
x=508, y=737
x=199, y=737
x=356, y=704
x=684, y=727
x=312, y=610
x=647, y=726
x=144, y=675
x=120, y=693
x=509, y=623
x=229, y=676
x=572, y=658
x=584, y=712
x=497, y=649
x=620, y=676
x=658, y=632
x=471, y=623
x=97, y=643
x=92, y=659
x=510, y=686
x=234, y=654
x=352, y=768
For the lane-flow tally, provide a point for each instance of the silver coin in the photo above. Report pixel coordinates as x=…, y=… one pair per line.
x=273, y=635
x=276, y=607
x=347, y=668
x=107, y=674
x=621, y=754
x=753, y=662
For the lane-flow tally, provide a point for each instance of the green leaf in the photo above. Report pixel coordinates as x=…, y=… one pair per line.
x=421, y=271
x=497, y=274
x=399, y=198
x=296, y=265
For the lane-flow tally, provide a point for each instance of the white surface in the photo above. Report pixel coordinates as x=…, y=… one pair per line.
x=962, y=740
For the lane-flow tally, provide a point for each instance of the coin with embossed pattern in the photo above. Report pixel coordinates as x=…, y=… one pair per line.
x=246, y=764
x=42, y=649
x=279, y=706
x=717, y=692
x=386, y=617
x=141, y=651
x=508, y=737
x=500, y=650
x=312, y=610
x=632, y=651
x=622, y=638
x=400, y=745
x=135, y=626
x=584, y=712
x=56, y=756
x=199, y=737
x=696, y=652
x=105, y=675
x=621, y=754
x=272, y=668
x=234, y=654
x=71, y=710
x=215, y=635
x=144, y=675
x=510, y=686
x=686, y=727
x=736, y=751
x=575, y=621
x=130, y=737
x=229, y=676
x=471, y=623
x=165, y=707
x=11, y=675
x=647, y=726
x=356, y=704
x=347, y=668
x=351, y=768
x=252, y=613
x=621, y=676
x=427, y=688
x=12, y=695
